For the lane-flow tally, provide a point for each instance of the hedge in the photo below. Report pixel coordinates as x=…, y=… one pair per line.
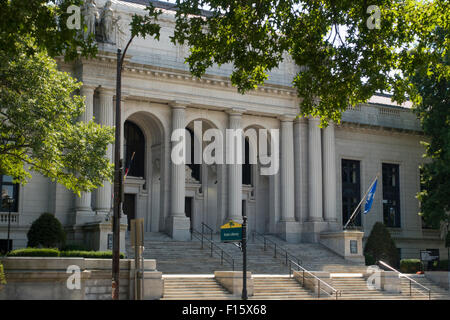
x=44, y=252
x=34, y=252
x=89, y=254
x=2, y=275
x=410, y=265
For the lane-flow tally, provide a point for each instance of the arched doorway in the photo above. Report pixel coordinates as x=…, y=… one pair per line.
x=143, y=158
x=255, y=187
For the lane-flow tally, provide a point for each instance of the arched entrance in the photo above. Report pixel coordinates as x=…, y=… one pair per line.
x=143, y=155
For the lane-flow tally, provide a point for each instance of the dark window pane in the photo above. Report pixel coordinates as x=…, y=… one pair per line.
x=391, y=195
x=351, y=191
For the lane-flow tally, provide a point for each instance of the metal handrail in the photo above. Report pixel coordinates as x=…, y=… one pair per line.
x=320, y=282
x=209, y=228
x=224, y=256
x=411, y=280
x=287, y=254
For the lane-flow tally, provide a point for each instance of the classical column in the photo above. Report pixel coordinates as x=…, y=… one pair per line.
x=301, y=168
x=234, y=168
x=83, y=203
x=178, y=225
x=329, y=174
x=315, y=170
x=105, y=118
x=287, y=169
x=288, y=228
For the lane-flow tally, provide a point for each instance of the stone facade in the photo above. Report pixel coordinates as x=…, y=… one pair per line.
x=303, y=199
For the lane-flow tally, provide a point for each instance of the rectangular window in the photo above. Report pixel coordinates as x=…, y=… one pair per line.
x=11, y=190
x=391, y=195
x=351, y=191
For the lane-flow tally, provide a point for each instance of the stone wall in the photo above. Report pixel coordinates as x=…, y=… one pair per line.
x=30, y=278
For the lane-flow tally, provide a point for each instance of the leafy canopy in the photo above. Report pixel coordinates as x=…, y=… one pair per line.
x=39, y=130
x=44, y=22
x=341, y=60
x=434, y=115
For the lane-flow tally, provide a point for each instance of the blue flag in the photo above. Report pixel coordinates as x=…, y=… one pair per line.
x=370, y=196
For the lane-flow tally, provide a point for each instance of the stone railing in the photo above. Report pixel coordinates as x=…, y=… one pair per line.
x=30, y=278
x=4, y=218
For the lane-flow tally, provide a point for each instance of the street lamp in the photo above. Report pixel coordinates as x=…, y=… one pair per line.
x=244, y=257
x=10, y=201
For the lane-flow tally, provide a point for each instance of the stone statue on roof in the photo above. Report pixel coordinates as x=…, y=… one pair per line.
x=90, y=14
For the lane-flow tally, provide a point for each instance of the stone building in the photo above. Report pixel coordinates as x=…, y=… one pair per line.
x=323, y=173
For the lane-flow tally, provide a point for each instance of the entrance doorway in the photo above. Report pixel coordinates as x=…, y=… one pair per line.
x=188, y=209
x=129, y=207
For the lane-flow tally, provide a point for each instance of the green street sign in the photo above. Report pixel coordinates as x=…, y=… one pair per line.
x=231, y=232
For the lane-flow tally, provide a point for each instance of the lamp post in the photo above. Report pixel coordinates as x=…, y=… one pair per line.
x=10, y=202
x=244, y=257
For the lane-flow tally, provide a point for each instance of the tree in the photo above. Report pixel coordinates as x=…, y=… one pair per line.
x=44, y=22
x=434, y=114
x=345, y=53
x=39, y=105
x=380, y=245
x=39, y=129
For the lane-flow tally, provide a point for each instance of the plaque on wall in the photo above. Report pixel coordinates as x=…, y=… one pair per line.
x=110, y=241
x=353, y=246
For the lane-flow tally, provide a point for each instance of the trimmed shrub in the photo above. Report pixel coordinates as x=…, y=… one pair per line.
x=74, y=247
x=89, y=254
x=46, y=232
x=410, y=265
x=46, y=252
x=2, y=276
x=34, y=252
x=381, y=246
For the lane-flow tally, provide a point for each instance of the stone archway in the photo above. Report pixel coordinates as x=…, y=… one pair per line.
x=145, y=183
x=203, y=186
x=256, y=194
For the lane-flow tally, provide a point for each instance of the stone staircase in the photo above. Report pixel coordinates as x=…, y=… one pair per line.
x=279, y=288
x=437, y=292
x=178, y=257
x=355, y=288
x=182, y=287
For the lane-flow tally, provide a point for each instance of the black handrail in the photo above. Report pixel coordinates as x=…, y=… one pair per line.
x=287, y=255
x=224, y=256
x=411, y=281
x=204, y=225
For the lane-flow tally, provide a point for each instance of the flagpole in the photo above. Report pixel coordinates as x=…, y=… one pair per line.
x=363, y=198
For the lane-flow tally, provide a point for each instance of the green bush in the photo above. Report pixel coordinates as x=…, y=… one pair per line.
x=381, y=246
x=410, y=265
x=370, y=261
x=89, y=254
x=441, y=265
x=46, y=252
x=46, y=232
x=2, y=275
x=34, y=252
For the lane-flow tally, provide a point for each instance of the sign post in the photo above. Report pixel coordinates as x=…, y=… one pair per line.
x=137, y=241
x=235, y=232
